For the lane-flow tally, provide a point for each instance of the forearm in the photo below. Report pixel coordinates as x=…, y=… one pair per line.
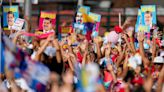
x=70, y=64
x=141, y=49
x=15, y=39
x=58, y=53
x=98, y=51
x=160, y=81
x=42, y=48
x=154, y=49
x=62, y=53
x=120, y=58
x=142, y=53
x=58, y=56
x=125, y=67
x=84, y=60
x=132, y=44
x=128, y=44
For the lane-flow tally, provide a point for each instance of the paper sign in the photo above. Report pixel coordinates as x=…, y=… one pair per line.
x=94, y=16
x=84, y=9
x=18, y=24
x=47, y=20
x=10, y=14
x=148, y=15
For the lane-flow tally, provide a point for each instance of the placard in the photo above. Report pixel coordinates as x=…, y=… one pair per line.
x=84, y=9
x=18, y=24
x=94, y=16
x=47, y=20
x=10, y=14
x=148, y=15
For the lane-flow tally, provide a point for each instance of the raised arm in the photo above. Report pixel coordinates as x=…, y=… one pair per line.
x=127, y=42
x=141, y=49
x=58, y=53
x=110, y=68
x=130, y=34
x=160, y=80
x=96, y=41
x=42, y=48
x=121, y=54
x=19, y=33
x=154, y=49
x=125, y=66
x=63, y=55
x=84, y=58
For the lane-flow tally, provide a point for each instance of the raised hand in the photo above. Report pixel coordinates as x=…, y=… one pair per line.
x=130, y=33
x=96, y=40
x=140, y=36
x=62, y=42
x=50, y=38
x=124, y=36
x=69, y=40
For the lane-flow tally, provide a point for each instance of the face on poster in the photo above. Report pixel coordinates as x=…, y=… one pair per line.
x=47, y=24
x=47, y=21
x=148, y=15
x=10, y=14
x=79, y=18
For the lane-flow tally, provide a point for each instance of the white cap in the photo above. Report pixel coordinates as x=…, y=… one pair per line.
x=162, y=53
x=158, y=59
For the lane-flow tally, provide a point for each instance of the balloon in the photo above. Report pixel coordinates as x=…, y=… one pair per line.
x=118, y=29
x=112, y=37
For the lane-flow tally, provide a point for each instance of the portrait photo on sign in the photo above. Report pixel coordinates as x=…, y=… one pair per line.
x=47, y=21
x=148, y=15
x=10, y=14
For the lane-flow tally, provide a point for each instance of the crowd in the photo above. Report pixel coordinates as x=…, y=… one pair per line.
x=77, y=63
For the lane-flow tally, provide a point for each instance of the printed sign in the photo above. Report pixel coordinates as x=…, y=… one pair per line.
x=10, y=14
x=84, y=9
x=94, y=16
x=148, y=15
x=18, y=24
x=47, y=20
